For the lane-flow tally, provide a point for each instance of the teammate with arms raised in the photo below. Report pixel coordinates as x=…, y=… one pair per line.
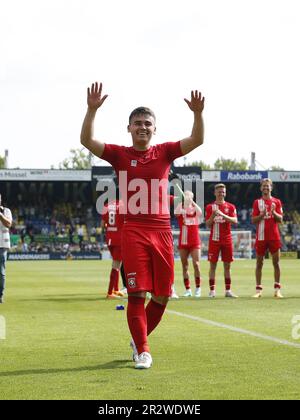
x=189, y=243
x=267, y=214
x=220, y=215
x=147, y=243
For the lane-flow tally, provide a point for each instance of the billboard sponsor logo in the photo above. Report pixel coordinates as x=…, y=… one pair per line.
x=244, y=176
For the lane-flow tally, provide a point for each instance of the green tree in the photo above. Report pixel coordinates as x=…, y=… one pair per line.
x=204, y=166
x=276, y=168
x=231, y=165
x=2, y=162
x=79, y=159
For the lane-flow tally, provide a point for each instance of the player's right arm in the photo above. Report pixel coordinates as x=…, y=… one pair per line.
x=210, y=216
x=257, y=215
x=5, y=217
x=94, y=100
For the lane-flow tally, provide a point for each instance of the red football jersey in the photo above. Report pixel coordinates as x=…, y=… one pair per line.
x=143, y=182
x=267, y=229
x=114, y=222
x=220, y=230
x=189, y=221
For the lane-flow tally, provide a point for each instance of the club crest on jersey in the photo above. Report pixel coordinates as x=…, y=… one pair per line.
x=131, y=282
x=134, y=163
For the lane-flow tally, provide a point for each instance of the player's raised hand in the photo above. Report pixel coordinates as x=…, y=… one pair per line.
x=94, y=96
x=196, y=104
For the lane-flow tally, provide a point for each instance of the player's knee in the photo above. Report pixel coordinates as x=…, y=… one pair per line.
x=259, y=263
x=162, y=300
x=196, y=265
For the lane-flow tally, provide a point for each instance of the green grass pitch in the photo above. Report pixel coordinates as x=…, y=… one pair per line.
x=64, y=340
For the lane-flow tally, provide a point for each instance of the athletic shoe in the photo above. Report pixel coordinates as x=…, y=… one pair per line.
x=257, y=295
x=144, y=361
x=229, y=294
x=118, y=293
x=198, y=292
x=212, y=294
x=135, y=355
x=278, y=294
x=124, y=291
x=174, y=294
x=188, y=293
x=112, y=296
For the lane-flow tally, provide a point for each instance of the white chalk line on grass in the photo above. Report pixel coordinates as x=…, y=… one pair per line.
x=235, y=329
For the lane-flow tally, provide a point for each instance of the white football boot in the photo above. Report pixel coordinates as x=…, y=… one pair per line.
x=144, y=361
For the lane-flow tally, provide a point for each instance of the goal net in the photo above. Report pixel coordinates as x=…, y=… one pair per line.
x=242, y=240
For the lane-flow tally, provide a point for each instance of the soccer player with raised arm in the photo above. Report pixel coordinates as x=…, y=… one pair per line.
x=147, y=243
x=267, y=214
x=220, y=215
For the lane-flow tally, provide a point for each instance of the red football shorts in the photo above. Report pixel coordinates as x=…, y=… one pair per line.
x=148, y=260
x=263, y=246
x=190, y=248
x=115, y=252
x=215, y=248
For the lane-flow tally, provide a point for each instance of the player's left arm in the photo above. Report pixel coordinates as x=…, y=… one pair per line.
x=231, y=218
x=196, y=105
x=276, y=210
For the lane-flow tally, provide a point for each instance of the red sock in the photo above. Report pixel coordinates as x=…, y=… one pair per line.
x=198, y=282
x=187, y=283
x=212, y=284
x=228, y=283
x=154, y=313
x=114, y=274
x=277, y=286
x=137, y=322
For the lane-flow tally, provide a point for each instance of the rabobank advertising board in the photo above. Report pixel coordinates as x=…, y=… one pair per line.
x=243, y=176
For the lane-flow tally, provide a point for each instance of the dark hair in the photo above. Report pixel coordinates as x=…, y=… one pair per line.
x=141, y=110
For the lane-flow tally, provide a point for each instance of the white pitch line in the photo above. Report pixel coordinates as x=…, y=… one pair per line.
x=235, y=329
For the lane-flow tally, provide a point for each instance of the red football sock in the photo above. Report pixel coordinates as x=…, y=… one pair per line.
x=137, y=322
x=212, y=284
x=154, y=313
x=259, y=288
x=198, y=282
x=187, y=283
x=227, y=283
x=277, y=286
x=114, y=274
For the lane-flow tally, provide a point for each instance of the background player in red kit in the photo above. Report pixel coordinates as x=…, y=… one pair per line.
x=220, y=215
x=112, y=222
x=147, y=243
x=267, y=214
x=189, y=243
